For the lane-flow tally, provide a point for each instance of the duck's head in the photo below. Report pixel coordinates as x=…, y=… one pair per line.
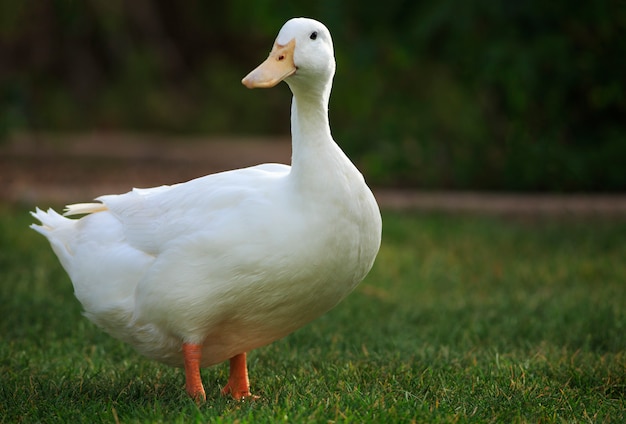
x=302, y=56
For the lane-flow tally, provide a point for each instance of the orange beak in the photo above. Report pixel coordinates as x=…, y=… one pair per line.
x=278, y=66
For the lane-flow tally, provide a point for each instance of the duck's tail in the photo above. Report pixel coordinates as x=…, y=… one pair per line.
x=59, y=232
x=50, y=221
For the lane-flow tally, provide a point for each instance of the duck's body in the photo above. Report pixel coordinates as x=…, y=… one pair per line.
x=231, y=261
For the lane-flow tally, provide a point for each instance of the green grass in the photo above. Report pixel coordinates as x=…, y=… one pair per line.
x=462, y=319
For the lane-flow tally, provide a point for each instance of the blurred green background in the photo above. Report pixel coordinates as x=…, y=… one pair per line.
x=490, y=94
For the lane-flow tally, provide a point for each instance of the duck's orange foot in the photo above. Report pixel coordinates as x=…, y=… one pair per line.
x=197, y=394
x=238, y=385
x=238, y=393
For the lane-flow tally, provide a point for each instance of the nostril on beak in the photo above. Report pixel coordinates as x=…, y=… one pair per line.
x=281, y=57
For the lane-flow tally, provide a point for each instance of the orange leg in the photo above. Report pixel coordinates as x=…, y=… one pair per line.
x=193, y=382
x=238, y=385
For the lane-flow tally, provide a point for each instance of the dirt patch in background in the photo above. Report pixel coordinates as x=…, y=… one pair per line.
x=43, y=169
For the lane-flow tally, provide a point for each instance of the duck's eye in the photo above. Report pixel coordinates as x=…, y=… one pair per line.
x=313, y=35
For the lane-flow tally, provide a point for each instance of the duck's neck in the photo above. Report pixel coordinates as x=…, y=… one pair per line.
x=312, y=143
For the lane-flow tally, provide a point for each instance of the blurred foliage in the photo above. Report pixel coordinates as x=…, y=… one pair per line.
x=485, y=94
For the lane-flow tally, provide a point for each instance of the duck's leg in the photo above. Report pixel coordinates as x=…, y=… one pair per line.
x=193, y=382
x=238, y=385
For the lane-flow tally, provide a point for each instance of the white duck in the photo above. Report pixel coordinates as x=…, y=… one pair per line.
x=199, y=272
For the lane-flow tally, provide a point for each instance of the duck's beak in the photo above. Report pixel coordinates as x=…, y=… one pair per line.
x=278, y=66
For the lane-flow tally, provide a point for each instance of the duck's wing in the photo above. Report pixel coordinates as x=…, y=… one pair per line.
x=153, y=217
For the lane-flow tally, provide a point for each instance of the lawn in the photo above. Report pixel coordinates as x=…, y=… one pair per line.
x=462, y=319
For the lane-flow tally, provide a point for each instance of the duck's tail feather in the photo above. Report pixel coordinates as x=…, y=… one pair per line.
x=59, y=231
x=50, y=220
